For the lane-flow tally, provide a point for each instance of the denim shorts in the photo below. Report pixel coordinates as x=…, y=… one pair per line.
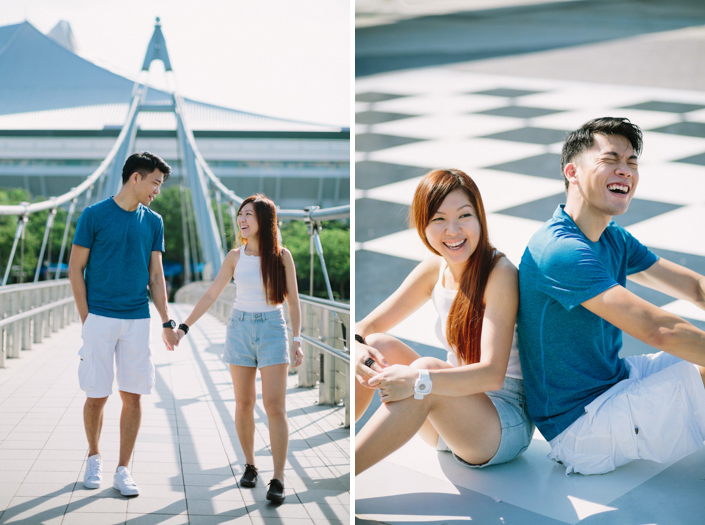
x=517, y=427
x=256, y=339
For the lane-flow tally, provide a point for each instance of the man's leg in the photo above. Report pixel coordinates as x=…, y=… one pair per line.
x=93, y=422
x=130, y=420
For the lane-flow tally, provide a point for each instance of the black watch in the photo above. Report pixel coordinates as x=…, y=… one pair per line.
x=360, y=339
x=183, y=328
x=169, y=324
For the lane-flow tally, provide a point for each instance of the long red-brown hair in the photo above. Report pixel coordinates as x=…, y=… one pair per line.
x=464, y=328
x=270, y=250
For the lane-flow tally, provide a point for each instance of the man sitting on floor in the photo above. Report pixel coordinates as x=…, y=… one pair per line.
x=599, y=411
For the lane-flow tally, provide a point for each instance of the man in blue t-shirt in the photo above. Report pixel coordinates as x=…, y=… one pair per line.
x=116, y=255
x=599, y=411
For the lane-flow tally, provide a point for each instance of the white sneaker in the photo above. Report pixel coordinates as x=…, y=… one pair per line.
x=94, y=472
x=123, y=482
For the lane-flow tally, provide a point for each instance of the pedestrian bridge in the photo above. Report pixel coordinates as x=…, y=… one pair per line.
x=187, y=460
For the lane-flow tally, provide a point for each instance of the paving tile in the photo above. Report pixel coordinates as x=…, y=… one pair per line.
x=144, y=505
x=208, y=480
x=258, y=520
x=156, y=519
x=35, y=510
x=288, y=509
x=231, y=493
x=325, y=511
x=116, y=504
x=376, y=97
x=505, y=92
x=518, y=112
x=217, y=508
x=44, y=489
x=368, y=142
x=93, y=518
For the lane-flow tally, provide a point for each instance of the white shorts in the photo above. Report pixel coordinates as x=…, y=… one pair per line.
x=658, y=413
x=125, y=341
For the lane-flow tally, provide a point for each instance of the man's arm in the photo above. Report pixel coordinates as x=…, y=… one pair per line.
x=77, y=264
x=674, y=280
x=157, y=285
x=650, y=324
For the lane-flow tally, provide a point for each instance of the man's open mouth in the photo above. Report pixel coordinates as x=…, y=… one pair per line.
x=615, y=187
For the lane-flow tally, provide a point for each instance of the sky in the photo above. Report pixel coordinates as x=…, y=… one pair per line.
x=282, y=58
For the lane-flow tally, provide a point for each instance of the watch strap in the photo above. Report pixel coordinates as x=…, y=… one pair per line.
x=184, y=328
x=298, y=339
x=360, y=339
x=169, y=324
x=423, y=384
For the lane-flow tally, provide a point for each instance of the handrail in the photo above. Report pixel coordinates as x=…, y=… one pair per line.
x=331, y=305
x=35, y=311
x=329, y=349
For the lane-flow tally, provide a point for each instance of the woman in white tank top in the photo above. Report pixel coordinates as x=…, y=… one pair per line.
x=256, y=336
x=473, y=404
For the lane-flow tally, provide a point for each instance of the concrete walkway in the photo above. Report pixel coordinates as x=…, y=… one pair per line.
x=187, y=459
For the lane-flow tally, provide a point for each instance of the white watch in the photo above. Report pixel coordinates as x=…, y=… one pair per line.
x=298, y=339
x=423, y=384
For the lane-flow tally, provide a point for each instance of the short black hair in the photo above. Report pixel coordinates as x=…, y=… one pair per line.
x=582, y=139
x=144, y=163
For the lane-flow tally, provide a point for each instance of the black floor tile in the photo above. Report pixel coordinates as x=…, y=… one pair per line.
x=668, y=107
x=377, y=276
x=543, y=209
x=374, y=219
x=377, y=117
x=376, y=97
x=519, y=112
x=695, y=159
x=547, y=165
x=371, y=174
x=505, y=92
x=530, y=135
x=368, y=142
x=689, y=129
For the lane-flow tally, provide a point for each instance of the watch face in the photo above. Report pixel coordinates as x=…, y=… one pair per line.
x=423, y=387
x=170, y=324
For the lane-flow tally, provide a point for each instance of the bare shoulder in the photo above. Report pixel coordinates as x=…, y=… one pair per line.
x=233, y=257
x=504, y=278
x=286, y=256
x=427, y=271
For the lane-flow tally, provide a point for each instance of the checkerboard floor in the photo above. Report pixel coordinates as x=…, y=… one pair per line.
x=507, y=133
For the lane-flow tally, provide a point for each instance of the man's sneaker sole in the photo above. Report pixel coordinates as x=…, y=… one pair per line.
x=126, y=493
x=92, y=484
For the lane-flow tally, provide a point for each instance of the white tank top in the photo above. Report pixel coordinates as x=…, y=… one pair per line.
x=250, y=288
x=442, y=300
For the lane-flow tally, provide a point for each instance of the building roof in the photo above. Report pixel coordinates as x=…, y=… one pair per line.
x=45, y=86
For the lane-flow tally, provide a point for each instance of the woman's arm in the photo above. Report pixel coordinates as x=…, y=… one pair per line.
x=409, y=297
x=292, y=301
x=224, y=277
x=501, y=303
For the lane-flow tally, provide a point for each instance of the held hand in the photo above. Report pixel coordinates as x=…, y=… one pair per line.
x=363, y=372
x=395, y=383
x=179, y=336
x=169, y=338
x=298, y=354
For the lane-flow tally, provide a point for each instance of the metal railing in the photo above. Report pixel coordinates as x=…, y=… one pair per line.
x=30, y=312
x=325, y=329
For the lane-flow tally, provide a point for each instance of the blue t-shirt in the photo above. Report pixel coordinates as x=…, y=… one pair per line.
x=569, y=356
x=121, y=244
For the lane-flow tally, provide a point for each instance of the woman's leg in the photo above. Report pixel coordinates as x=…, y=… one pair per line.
x=274, y=399
x=469, y=425
x=395, y=352
x=245, y=398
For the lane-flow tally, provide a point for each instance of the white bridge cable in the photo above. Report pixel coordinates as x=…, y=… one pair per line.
x=54, y=202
